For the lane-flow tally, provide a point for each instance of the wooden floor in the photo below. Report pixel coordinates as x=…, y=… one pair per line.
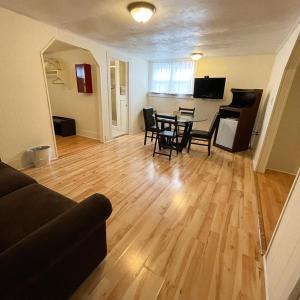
x=273, y=188
x=185, y=229
x=73, y=144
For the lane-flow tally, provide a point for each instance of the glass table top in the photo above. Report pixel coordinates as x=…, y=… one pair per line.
x=183, y=118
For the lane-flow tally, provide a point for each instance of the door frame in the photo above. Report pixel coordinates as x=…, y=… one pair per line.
x=116, y=57
x=279, y=105
x=117, y=88
x=55, y=151
x=280, y=220
x=98, y=81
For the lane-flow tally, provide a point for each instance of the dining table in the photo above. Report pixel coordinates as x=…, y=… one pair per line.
x=187, y=122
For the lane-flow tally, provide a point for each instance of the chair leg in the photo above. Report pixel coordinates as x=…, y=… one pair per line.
x=145, y=139
x=154, y=150
x=152, y=136
x=159, y=144
x=189, y=146
x=171, y=147
x=209, y=144
x=177, y=145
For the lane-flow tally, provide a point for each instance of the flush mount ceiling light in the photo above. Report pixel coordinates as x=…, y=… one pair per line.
x=196, y=55
x=141, y=11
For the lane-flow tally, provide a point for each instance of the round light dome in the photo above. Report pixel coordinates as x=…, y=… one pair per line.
x=141, y=11
x=196, y=55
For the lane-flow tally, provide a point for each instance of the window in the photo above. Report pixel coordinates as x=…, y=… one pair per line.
x=172, y=77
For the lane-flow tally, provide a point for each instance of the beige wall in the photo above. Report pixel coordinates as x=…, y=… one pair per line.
x=24, y=113
x=24, y=118
x=65, y=99
x=240, y=72
x=285, y=154
x=275, y=93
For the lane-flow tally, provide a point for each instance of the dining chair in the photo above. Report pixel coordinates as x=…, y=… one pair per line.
x=149, y=122
x=204, y=136
x=187, y=111
x=184, y=111
x=166, y=138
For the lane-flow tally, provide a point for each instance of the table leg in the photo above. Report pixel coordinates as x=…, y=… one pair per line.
x=185, y=137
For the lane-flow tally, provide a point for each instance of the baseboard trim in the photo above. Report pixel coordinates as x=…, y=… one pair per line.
x=280, y=171
x=261, y=227
x=135, y=131
x=88, y=134
x=266, y=277
x=22, y=162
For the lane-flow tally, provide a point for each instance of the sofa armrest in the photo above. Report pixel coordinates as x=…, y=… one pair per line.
x=26, y=259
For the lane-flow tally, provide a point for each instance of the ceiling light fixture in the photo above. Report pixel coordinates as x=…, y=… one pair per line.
x=141, y=11
x=196, y=55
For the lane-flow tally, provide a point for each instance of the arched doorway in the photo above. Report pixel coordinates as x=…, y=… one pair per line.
x=74, y=112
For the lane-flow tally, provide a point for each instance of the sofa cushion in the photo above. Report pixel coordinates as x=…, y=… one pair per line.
x=27, y=209
x=11, y=179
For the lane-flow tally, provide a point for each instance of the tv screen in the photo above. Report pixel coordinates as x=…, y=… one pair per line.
x=209, y=88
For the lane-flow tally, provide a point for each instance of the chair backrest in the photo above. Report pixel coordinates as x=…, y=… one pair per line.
x=161, y=120
x=149, y=119
x=187, y=111
x=214, y=124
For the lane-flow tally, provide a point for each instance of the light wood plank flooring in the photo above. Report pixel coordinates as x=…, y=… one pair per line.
x=73, y=144
x=185, y=229
x=273, y=188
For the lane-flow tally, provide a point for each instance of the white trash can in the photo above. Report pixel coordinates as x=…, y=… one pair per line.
x=41, y=155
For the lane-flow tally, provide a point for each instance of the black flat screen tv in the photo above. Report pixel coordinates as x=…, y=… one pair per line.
x=209, y=88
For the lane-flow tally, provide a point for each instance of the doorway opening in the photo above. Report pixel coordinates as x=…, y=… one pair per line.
x=72, y=83
x=283, y=163
x=118, y=75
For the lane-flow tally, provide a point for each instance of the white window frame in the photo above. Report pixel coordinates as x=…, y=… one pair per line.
x=167, y=95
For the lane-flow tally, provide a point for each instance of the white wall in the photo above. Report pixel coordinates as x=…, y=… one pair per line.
x=275, y=93
x=282, y=261
x=24, y=113
x=285, y=154
x=240, y=72
x=138, y=88
x=65, y=99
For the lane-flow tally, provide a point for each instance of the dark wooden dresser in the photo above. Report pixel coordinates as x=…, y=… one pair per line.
x=241, y=113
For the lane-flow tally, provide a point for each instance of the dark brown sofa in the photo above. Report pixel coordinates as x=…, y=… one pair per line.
x=48, y=243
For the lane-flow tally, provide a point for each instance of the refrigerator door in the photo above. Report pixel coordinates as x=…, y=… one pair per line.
x=226, y=132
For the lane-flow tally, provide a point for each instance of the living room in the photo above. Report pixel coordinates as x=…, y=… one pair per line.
x=147, y=227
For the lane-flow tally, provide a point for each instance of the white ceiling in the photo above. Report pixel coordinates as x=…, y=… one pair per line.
x=216, y=27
